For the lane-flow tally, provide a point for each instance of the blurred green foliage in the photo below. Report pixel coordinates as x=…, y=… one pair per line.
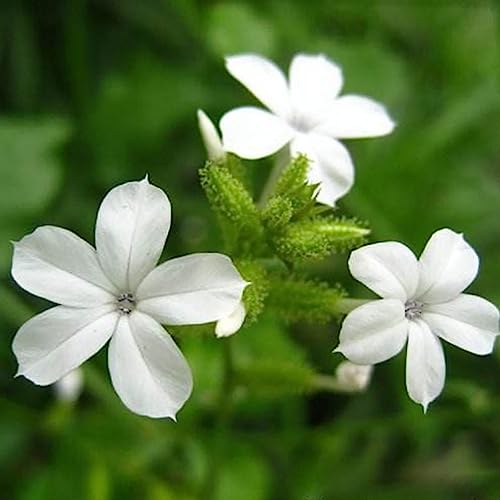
x=95, y=93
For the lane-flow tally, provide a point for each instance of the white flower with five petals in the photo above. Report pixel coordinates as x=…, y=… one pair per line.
x=306, y=113
x=422, y=302
x=116, y=292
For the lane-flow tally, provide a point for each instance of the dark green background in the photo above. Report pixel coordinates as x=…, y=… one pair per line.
x=95, y=93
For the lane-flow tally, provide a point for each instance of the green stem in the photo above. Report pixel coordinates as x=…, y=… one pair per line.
x=223, y=422
x=327, y=383
x=280, y=163
x=345, y=306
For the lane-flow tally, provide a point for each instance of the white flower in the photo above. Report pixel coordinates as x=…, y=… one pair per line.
x=116, y=292
x=231, y=324
x=69, y=387
x=210, y=136
x=421, y=304
x=306, y=113
x=351, y=377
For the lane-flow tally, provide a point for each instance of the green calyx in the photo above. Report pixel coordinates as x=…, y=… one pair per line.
x=265, y=243
x=315, y=239
x=237, y=214
x=256, y=292
x=301, y=299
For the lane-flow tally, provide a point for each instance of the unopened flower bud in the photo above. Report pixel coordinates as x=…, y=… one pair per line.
x=231, y=324
x=70, y=386
x=210, y=136
x=353, y=378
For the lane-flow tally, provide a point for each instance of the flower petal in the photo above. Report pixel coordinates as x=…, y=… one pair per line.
x=57, y=265
x=425, y=365
x=263, y=78
x=448, y=265
x=469, y=322
x=354, y=116
x=253, y=133
x=53, y=343
x=190, y=290
x=330, y=165
x=390, y=269
x=373, y=332
x=147, y=369
x=131, y=229
x=315, y=81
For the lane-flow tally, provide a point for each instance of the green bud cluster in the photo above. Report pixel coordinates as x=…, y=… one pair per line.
x=255, y=294
x=298, y=230
x=300, y=299
x=277, y=213
x=293, y=186
x=291, y=229
x=238, y=216
x=315, y=239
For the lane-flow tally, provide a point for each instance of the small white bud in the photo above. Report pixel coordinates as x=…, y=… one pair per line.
x=232, y=323
x=353, y=378
x=70, y=386
x=210, y=136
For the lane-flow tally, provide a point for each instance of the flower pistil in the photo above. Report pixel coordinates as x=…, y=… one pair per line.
x=126, y=303
x=413, y=309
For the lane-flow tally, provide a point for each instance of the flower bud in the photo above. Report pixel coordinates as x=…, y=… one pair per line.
x=231, y=324
x=353, y=378
x=70, y=386
x=315, y=239
x=210, y=137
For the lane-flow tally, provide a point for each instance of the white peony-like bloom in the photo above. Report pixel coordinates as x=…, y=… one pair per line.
x=210, y=136
x=306, y=113
x=422, y=303
x=116, y=292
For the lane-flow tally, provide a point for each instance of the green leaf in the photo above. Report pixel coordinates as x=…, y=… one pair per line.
x=133, y=115
x=243, y=466
x=30, y=169
x=236, y=27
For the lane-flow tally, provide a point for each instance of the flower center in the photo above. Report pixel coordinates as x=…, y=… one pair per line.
x=305, y=120
x=301, y=125
x=301, y=122
x=413, y=309
x=126, y=303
